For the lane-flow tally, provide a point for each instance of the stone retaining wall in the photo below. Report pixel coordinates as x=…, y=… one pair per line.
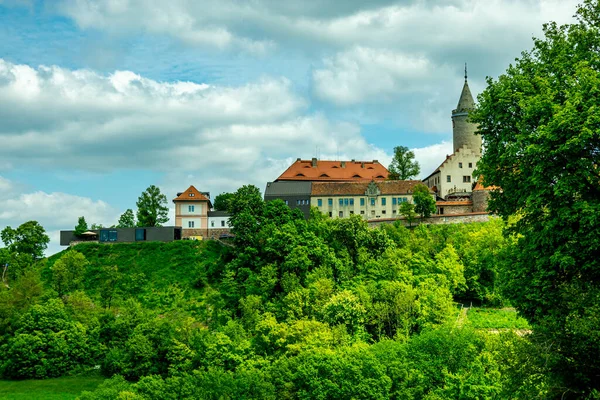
x=437, y=219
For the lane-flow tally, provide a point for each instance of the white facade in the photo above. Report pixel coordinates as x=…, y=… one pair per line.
x=191, y=222
x=218, y=222
x=455, y=175
x=191, y=208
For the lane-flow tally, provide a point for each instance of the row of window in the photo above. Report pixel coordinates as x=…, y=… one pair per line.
x=466, y=178
x=362, y=212
x=460, y=165
x=373, y=200
x=191, y=224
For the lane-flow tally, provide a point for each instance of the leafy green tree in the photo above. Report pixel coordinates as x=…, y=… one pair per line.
x=127, y=219
x=407, y=210
x=246, y=207
x=540, y=125
x=424, y=201
x=96, y=226
x=152, y=208
x=403, y=166
x=81, y=226
x=29, y=238
x=68, y=272
x=221, y=202
x=345, y=308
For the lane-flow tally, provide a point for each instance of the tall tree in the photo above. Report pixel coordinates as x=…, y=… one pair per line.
x=403, y=165
x=29, y=238
x=424, y=201
x=221, y=201
x=152, y=208
x=127, y=219
x=540, y=123
x=247, y=210
x=407, y=210
x=81, y=226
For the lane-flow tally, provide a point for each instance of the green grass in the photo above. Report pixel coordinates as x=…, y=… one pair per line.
x=490, y=318
x=48, y=389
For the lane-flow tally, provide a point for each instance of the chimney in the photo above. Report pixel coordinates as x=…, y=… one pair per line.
x=362, y=164
x=298, y=159
x=314, y=162
x=343, y=164
x=375, y=162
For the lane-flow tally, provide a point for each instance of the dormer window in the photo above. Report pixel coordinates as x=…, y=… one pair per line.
x=300, y=175
x=357, y=176
x=324, y=176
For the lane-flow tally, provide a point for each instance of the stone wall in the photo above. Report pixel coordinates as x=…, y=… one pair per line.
x=215, y=233
x=480, y=200
x=186, y=233
x=437, y=219
x=455, y=209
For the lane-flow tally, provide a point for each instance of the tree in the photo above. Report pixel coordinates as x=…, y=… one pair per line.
x=247, y=208
x=424, y=201
x=221, y=201
x=127, y=219
x=407, y=210
x=152, y=208
x=403, y=165
x=81, y=227
x=68, y=272
x=540, y=125
x=29, y=238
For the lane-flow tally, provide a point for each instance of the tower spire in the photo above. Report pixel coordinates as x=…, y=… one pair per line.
x=465, y=72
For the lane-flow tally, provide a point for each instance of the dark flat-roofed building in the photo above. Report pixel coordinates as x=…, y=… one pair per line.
x=124, y=235
x=294, y=194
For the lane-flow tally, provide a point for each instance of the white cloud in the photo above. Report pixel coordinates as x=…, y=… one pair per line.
x=54, y=211
x=431, y=157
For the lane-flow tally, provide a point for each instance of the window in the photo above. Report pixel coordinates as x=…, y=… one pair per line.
x=383, y=211
x=341, y=202
x=341, y=214
x=330, y=214
x=351, y=212
x=470, y=165
x=459, y=165
x=383, y=201
x=140, y=234
x=104, y=236
x=191, y=208
x=192, y=194
x=372, y=212
x=346, y=202
x=330, y=203
x=222, y=223
x=190, y=224
x=362, y=202
x=393, y=211
x=352, y=203
x=466, y=178
x=404, y=199
x=373, y=201
x=297, y=202
x=286, y=203
x=320, y=202
x=394, y=201
x=212, y=224
x=362, y=212
x=108, y=236
x=448, y=178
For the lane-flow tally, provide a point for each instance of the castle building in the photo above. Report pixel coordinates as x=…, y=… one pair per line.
x=294, y=185
x=453, y=180
x=193, y=214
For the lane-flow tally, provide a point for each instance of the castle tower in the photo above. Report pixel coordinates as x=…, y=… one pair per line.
x=463, y=131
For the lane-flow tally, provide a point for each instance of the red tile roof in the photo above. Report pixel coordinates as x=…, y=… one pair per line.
x=479, y=185
x=191, y=194
x=359, y=188
x=334, y=171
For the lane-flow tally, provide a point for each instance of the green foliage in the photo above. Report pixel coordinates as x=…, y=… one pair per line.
x=28, y=239
x=152, y=208
x=539, y=123
x=81, y=226
x=403, y=166
x=424, y=201
x=67, y=388
x=127, y=219
x=68, y=272
x=484, y=318
x=221, y=202
x=407, y=210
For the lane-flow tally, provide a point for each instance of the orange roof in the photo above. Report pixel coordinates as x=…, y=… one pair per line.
x=479, y=185
x=191, y=194
x=359, y=188
x=331, y=171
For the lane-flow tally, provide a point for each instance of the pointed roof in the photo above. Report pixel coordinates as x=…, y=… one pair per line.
x=466, y=99
x=191, y=194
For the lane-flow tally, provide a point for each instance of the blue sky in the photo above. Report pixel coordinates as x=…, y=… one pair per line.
x=100, y=99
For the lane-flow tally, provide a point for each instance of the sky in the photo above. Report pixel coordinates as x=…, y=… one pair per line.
x=100, y=99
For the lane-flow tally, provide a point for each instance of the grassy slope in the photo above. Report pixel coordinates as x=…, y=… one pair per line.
x=490, y=318
x=146, y=265
x=48, y=389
